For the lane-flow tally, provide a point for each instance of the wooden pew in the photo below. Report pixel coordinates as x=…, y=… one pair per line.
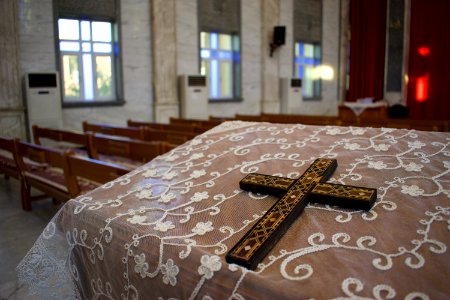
x=250, y=118
x=62, y=139
x=41, y=168
x=205, y=124
x=79, y=180
x=160, y=126
x=7, y=164
x=170, y=136
x=129, y=132
x=300, y=119
x=126, y=152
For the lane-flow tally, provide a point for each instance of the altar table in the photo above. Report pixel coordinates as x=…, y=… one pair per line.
x=163, y=230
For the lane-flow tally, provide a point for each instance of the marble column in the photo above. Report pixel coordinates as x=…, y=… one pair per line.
x=164, y=43
x=187, y=37
x=270, y=68
x=287, y=50
x=11, y=109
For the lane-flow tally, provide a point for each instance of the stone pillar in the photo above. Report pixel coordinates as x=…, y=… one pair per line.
x=166, y=103
x=286, y=52
x=187, y=37
x=11, y=106
x=270, y=69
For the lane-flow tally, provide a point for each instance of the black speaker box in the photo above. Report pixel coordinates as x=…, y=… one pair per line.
x=279, y=34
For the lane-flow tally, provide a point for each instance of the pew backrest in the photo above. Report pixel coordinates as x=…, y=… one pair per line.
x=125, y=131
x=83, y=174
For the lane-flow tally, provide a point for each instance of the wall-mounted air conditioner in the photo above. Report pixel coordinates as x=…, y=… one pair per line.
x=291, y=96
x=193, y=97
x=43, y=100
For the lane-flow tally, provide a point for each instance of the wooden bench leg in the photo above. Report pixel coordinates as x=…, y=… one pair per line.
x=25, y=193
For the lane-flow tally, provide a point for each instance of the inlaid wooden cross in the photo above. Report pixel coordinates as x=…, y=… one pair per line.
x=295, y=195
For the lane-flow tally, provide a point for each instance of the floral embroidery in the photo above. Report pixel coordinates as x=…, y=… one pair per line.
x=377, y=165
x=381, y=147
x=198, y=173
x=333, y=131
x=199, y=196
x=164, y=226
x=170, y=272
x=145, y=194
x=150, y=173
x=412, y=190
x=172, y=158
x=413, y=167
x=169, y=175
x=196, y=156
x=415, y=145
x=358, y=131
x=167, y=197
x=210, y=264
x=196, y=142
x=141, y=266
x=137, y=219
x=201, y=228
x=351, y=146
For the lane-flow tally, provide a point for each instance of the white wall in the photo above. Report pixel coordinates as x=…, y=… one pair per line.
x=37, y=53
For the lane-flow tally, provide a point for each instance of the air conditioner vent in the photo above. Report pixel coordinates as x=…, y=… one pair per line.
x=296, y=82
x=197, y=81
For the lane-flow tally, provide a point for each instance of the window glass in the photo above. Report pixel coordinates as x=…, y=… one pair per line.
x=307, y=62
x=68, y=29
x=219, y=61
x=71, y=76
x=101, y=31
x=104, y=75
x=69, y=46
x=87, y=60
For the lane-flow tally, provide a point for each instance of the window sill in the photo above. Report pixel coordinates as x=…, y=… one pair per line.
x=313, y=99
x=79, y=104
x=225, y=100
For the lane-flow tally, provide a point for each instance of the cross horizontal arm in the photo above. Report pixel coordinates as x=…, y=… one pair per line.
x=260, y=239
x=345, y=196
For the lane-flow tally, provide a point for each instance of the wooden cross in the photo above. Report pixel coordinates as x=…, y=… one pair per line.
x=295, y=195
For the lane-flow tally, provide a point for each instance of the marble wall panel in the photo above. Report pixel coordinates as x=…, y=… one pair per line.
x=187, y=37
x=11, y=105
x=12, y=124
x=9, y=58
x=270, y=68
x=37, y=36
x=287, y=51
x=163, y=16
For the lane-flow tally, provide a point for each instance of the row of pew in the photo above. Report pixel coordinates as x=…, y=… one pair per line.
x=76, y=162
x=65, y=164
x=371, y=117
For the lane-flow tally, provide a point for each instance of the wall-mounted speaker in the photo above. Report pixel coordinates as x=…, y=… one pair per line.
x=279, y=35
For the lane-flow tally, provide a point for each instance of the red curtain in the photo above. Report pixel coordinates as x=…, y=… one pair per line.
x=367, y=48
x=428, y=90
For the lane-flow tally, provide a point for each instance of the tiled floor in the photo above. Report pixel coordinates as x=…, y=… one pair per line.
x=18, y=231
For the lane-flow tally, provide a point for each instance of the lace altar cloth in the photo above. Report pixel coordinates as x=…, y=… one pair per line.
x=162, y=231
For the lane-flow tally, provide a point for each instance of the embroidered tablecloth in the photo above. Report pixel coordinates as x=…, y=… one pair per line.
x=162, y=231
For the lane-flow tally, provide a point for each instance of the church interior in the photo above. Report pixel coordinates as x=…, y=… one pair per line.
x=102, y=100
